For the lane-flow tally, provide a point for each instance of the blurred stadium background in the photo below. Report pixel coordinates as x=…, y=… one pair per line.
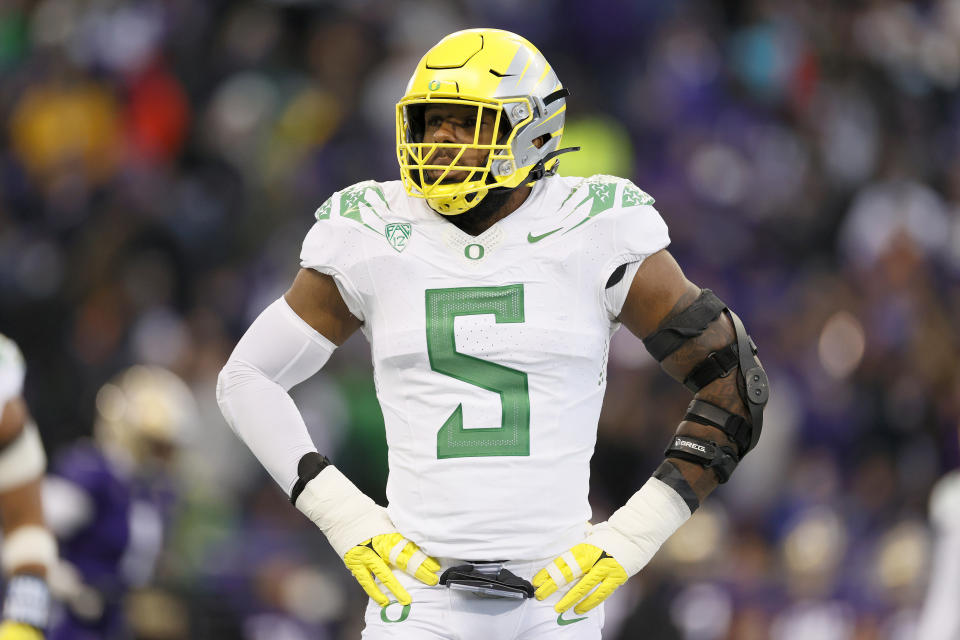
x=160, y=161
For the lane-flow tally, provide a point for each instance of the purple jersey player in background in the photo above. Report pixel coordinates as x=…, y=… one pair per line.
x=109, y=500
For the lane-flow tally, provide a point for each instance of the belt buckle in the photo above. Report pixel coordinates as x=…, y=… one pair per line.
x=487, y=580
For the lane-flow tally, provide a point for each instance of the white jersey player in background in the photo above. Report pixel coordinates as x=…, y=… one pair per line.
x=488, y=288
x=940, y=616
x=29, y=549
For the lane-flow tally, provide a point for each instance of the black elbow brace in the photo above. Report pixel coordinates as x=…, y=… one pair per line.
x=709, y=455
x=752, y=380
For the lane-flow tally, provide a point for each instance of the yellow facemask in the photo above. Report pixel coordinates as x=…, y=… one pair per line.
x=496, y=72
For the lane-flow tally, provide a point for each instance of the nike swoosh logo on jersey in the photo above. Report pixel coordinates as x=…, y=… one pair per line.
x=532, y=238
x=563, y=623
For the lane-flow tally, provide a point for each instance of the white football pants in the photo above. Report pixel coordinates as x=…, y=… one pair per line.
x=439, y=613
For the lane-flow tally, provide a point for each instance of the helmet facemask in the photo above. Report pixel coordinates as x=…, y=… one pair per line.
x=497, y=73
x=455, y=176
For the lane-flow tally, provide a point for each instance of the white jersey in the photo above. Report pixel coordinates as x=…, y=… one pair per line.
x=940, y=617
x=489, y=353
x=12, y=370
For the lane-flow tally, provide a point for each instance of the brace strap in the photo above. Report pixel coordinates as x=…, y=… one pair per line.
x=718, y=364
x=709, y=455
x=687, y=324
x=736, y=427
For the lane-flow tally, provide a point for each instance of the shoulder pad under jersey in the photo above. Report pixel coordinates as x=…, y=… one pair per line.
x=334, y=245
x=614, y=208
x=365, y=204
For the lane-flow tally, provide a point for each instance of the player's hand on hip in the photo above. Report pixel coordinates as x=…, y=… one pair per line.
x=592, y=565
x=361, y=533
x=374, y=558
x=19, y=631
x=616, y=549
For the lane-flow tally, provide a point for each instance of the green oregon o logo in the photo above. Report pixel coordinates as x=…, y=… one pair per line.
x=404, y=613
x=473, y=251
x=434, y=85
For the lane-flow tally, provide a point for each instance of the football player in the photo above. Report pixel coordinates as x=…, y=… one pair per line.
x=940, y=616
x=109, y=500
x=29, y=549
x=488, y=287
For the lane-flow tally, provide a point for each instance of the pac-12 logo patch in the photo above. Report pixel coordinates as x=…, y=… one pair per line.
x=398, y=233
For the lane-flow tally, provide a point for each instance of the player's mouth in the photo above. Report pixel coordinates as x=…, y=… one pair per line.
x=451, y=175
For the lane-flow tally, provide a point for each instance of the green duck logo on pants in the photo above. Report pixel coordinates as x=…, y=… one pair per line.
x=404, y=613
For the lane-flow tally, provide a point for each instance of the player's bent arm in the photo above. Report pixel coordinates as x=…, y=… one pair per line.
x=289, y=342
x=315, y=298
x=29, y=549
x=702, y=344
x=688, y=331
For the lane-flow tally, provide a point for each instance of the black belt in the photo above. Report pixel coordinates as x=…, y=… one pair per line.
x=487, y=578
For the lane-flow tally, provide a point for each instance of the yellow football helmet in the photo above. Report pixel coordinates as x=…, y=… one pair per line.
x=501, y=74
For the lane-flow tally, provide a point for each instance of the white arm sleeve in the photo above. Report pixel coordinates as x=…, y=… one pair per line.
x=278, y=351
x=940, y=617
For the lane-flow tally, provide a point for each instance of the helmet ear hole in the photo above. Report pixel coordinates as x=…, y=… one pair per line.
x=505, y=128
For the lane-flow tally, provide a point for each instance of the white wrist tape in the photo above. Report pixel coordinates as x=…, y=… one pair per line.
x=23, y=459
x=27, y=601
x=346, y=515
x=27, y=545
x=637, y=530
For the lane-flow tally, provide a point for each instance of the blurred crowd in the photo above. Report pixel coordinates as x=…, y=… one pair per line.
x=160, y=161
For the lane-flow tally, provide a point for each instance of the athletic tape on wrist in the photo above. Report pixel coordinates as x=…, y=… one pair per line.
x=28, y=545
x=23, y=459
x=670, y=475
x=637, y=530
x=27, y=601
x=346, y=515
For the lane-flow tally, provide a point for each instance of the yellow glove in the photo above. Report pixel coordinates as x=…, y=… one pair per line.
x=596, y=567
x=616, y=549
x=346, y=516
x=19, y=631
x=374, y=557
